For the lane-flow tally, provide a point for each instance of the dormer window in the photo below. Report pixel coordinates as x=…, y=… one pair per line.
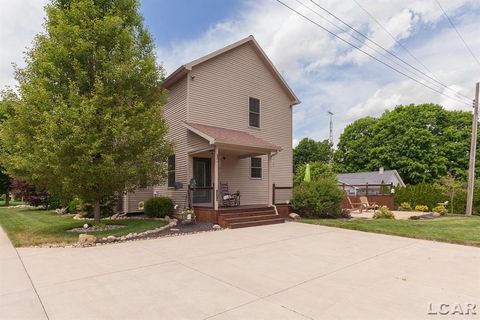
x=254, y=113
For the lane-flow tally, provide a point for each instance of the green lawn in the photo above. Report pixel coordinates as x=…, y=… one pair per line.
x=461, y=230
x=27, y=227
x=12, y=203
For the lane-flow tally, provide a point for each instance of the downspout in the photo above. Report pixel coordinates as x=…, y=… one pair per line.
x=273, y=204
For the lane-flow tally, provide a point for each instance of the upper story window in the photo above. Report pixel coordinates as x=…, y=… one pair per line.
x=256, y=167
x=171, y=171
x=254, y=112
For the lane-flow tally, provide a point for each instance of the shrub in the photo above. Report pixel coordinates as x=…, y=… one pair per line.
x=420, y=194
x=440, y=209
x=317, y=199
x=158, y=207
x=421, y=208
x=405, y=206
x=74, y=206
x=383, y=213
x=54, y=202
x=29, y=194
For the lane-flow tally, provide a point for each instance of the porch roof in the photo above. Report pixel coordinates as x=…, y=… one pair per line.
x=223, y=136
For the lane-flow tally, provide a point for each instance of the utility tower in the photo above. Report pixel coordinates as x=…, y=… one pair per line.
x=330, y=139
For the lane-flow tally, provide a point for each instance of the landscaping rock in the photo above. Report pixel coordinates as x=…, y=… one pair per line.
x=114, y=217
x=167, y=218
x=111, y=238
x=86, y=238
x=294, y=216
x=61, y=211
x=216, y=227
x=175, y=230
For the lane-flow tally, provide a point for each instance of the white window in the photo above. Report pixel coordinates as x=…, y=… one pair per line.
x=256, y=167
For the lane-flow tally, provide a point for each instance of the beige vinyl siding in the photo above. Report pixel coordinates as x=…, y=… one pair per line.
x=219, y=96
x=184, y=140
x=137, y=196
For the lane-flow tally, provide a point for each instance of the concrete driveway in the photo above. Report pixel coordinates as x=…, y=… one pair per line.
x=286, y=271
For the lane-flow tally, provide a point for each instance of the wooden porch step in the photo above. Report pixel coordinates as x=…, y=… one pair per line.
x=255, y=223
x=247, y=214
x=242, y=210
x=247, y=218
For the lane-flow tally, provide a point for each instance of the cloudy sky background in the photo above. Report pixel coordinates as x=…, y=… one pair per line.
x=325, y=73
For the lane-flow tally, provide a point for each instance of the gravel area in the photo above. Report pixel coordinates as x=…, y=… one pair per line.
x=179, y=229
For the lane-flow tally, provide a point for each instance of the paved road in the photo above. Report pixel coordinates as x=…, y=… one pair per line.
x=286, y=271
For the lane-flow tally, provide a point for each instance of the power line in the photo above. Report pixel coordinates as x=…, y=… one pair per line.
x=393, y=38
x=458, y=33
x=368, y=54
x=362, y=43
x=437, y=83
x=442, y=86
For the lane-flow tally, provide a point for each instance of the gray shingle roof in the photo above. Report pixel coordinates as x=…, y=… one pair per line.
x=374, y=177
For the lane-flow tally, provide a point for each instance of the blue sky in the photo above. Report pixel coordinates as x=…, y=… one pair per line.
x=325, y=73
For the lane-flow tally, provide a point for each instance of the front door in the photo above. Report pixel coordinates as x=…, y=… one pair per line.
x=202, y=173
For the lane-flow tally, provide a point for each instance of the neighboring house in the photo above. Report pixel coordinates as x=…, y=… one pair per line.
x=356, y=183
x=230, y=117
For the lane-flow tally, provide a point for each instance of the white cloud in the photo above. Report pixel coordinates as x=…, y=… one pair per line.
x=20, y=21
x=325, y=73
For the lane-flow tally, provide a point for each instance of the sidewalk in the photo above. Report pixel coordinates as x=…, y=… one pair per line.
x=18, y=299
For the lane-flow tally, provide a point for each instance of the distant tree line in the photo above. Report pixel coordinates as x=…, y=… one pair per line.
x=422, y=142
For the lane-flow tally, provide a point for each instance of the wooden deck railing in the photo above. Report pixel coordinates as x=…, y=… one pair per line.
x=278, y=188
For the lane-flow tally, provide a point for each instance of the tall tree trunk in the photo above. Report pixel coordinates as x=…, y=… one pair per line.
x=96, y=211
x=7, y=199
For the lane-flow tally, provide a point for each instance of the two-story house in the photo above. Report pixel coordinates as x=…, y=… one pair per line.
x=230, y=117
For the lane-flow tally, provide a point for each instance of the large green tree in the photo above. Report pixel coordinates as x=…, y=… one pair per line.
x=423, y=142
x=88, y=121
x=351, y=154
x=309, y=150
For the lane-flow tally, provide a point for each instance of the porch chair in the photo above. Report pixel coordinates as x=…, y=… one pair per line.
x=354, y=205
x=228, y=199
x=367, y=205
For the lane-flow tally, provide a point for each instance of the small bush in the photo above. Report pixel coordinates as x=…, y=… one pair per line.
x=405, y=206
x=421, y=208
x=74, y=206
x=54, y=202
x=383, y=213
x=158, y=207
x=440, y=209
x=317, y=199
x=420, y=194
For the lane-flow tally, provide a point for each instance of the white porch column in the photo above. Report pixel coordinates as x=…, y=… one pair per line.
x=215, y=180
x=270, y=186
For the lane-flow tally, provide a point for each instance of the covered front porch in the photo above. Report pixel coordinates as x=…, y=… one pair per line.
x=234, y=171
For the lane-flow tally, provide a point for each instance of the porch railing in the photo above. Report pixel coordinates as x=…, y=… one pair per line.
x=274, y=191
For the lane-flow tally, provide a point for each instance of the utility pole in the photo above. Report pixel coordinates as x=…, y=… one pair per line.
x=473, y=152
